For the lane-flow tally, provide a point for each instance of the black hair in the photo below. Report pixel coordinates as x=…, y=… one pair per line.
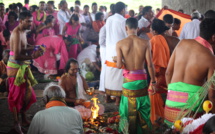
x=24, y=15
x=105, y=8
x=86, y=6
x=42, y=2
x=158, y=9
x=26, y=1
x=74, y=17
x=71, y=9
x=159, y=26
x=68, y=38
x=78, y=2
x=101, y=7
x=11, y=6
x=177, y=21
x=50, y=2
x=19, y=5
x=1, y=4
x=94, y=4
x=119, y=6
x=98, y=15
x=24, y=9
x=12, y=13
x=62, y=2
x=14, y=7
x=49, y=19
x=168, y=18
x=209, y=128
x=131, y=11
x=207, y=28
x=146, y=9
x=181, y=10
x=132, y=23
x=7, y=10
x=112, y=8
x=210, y=14
x=34, y=7
x=6, y=33
x=67, y=67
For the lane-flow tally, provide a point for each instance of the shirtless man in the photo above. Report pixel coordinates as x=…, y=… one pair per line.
x=21, y=94
x=131, y=53
x=73, y=84
x=191, y=65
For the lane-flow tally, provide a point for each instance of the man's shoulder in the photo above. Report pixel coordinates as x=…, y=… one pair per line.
x=172, y=38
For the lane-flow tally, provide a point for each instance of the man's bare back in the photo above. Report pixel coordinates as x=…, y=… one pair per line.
x=133, y=50
x=190, y=63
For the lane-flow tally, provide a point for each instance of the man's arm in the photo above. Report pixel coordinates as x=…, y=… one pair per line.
x=170, y=68
x=119, y=62
x=150, y=63
x=211, y=92
x=18, y=55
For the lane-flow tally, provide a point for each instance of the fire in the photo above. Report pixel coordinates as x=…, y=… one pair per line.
x=95, y=108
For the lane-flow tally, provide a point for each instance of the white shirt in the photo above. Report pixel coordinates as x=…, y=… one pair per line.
x=115, y=31
x=57, y=120
x=102, y=37
x=143, y=22
x=93, y=16
x=190, y=30
x=88, y=53
x=63, y=17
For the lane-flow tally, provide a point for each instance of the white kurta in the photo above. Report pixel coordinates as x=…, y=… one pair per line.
x=190, y=30
x=143, y=22
x=115, y=31
x=102, y=43
x=63, y=17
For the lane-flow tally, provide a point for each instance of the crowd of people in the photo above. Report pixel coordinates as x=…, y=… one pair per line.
x=146, y=65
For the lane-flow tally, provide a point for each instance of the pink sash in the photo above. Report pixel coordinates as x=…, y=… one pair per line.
x=204, y=43
x=135, y=75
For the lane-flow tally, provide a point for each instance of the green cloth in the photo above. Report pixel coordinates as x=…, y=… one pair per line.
x=21, y=74
x=186, y=88
x=192, y=91
x=142, y=108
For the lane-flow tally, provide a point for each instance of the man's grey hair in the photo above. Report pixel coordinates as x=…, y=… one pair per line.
x=196, y=15
x=54, y=90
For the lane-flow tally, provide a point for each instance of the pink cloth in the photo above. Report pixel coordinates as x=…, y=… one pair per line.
x=27, y=6
x=11, y=27
x=46, y=32
x=47, y=63
x=18, y=95
x=204, y=43
x=73, y=50
x=35, y=21
x=135, y=75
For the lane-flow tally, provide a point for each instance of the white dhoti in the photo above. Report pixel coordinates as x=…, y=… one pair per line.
x=113, y=81
x=102, y=75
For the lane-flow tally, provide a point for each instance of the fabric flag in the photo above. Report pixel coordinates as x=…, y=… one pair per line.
x=185, y=18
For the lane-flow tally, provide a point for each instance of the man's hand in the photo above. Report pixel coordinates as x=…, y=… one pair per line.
x=154, y=88
x=114, y=59
x=37, y=54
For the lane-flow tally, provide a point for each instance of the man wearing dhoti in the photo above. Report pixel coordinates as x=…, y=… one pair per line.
x=115, y=31
x=187, y=71
x=135, y=105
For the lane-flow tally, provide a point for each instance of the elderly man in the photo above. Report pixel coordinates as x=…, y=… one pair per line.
x=191, y=29
x=57, y=118
x=63, y=15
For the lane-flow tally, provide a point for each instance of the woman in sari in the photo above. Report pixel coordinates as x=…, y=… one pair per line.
x=46, y=28
x=72, y=28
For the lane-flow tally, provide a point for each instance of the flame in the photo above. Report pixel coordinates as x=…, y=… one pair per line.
x=95, y=108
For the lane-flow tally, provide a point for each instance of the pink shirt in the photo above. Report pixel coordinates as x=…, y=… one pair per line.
x=73, y=31
x=35, y=21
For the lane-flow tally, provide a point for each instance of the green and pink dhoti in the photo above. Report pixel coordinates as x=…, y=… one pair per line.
x=135, y=104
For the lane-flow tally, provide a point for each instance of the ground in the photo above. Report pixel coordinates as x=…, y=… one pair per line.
x=6, y=117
